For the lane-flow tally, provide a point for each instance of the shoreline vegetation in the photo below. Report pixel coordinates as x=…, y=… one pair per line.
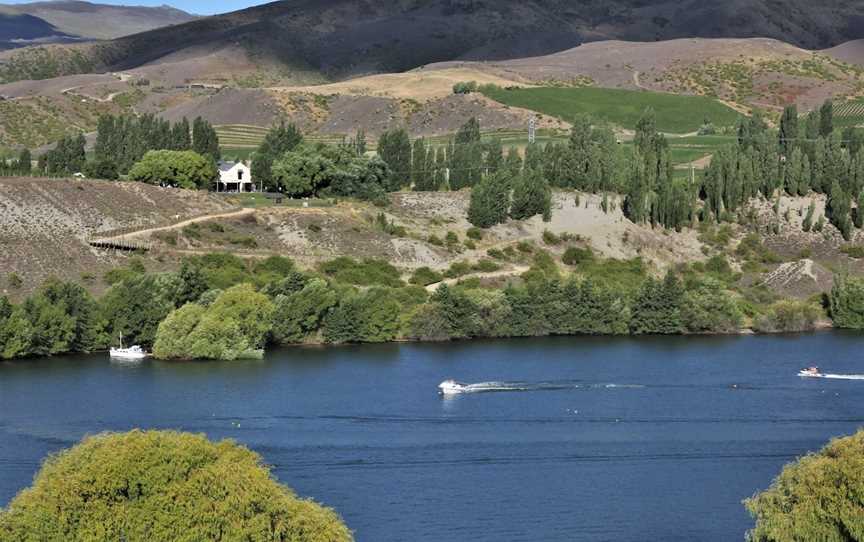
x=220, y=307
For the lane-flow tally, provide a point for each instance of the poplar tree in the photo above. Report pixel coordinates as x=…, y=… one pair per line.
x=826, y=118
x=394, y=147
x=788, y=136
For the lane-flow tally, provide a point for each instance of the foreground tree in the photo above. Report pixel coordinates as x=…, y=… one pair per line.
x=185, y=169
x=819, y=497
x=163, y=485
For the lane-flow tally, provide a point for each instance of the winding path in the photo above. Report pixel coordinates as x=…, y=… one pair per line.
x=181, y=224
x=517, y=270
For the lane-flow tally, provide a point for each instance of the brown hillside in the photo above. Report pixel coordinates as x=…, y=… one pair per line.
x=344, y=38
x=44, y=224
x=759, y=71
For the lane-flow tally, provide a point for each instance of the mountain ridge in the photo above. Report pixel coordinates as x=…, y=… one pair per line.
x=340, y=39
x=72, y=20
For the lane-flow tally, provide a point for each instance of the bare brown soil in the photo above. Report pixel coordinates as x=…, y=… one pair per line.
x=45, y=224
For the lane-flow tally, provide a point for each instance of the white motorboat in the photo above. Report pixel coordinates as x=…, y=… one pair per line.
x=812, y=372
x=132, y=353
x=451, y=387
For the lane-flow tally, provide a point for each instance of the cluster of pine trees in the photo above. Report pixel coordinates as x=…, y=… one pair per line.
x=122, y=141
x=66, y=158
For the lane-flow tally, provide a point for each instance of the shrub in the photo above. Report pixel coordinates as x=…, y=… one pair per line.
x=458, y=269
x=368, y=272
x=474, y=233
x=389, y=227
x=525, y=247
x=550, y=238
x=167, y=237
x=575, y=256
x=14, y=281
x=788, y=317
x=496, y=254
x=486, y=266
x=853, y=251
x=163, y=485
x=435, y=240
x=192, y=231
x=817, y=497
x=425, y=276
x=465, y=87
x=244, y=241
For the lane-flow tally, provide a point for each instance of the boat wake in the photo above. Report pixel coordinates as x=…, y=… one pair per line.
x=452, y=387
x=839, y=377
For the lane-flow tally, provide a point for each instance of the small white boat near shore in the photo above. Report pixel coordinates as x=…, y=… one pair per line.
x=133, y=353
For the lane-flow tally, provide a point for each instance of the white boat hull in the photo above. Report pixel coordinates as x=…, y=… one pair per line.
x=123, y=354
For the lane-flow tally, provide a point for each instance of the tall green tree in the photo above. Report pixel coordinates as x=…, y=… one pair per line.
x=826, y=119
x=394, y=148
x=788, y=136
x=280, y=139
x=490, y=201
x=204, y=139
x=846, y=302
x=531, y=196
x=657, y=307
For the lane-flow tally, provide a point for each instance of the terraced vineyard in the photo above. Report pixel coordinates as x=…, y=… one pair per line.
x=849, y=113
x=240, y=140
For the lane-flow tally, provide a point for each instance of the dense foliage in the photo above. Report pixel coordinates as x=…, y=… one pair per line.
x=124, y=140
x=322, y=170
x=183, y=169
x=66, y=158
x=162, y=485
x=846, y=302
x=279, y=140
x=218, y=306
x=819, y=497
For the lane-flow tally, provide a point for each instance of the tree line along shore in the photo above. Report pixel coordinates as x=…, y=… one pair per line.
x=218, y=306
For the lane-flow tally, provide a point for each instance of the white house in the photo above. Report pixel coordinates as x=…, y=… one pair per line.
x=235, y=177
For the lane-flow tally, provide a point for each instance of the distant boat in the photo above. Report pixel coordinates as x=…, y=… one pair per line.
x=812, y=372
x=133, y=353
x=815, y=372
x=451, y=387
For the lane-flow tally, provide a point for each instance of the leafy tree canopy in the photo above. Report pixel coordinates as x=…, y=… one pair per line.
x=819, y=497
x=163, y=485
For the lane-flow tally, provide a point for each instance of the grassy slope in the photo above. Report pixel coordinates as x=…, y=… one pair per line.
x=675, y=114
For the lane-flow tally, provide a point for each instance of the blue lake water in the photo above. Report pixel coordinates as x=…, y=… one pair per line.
x=641, y=439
